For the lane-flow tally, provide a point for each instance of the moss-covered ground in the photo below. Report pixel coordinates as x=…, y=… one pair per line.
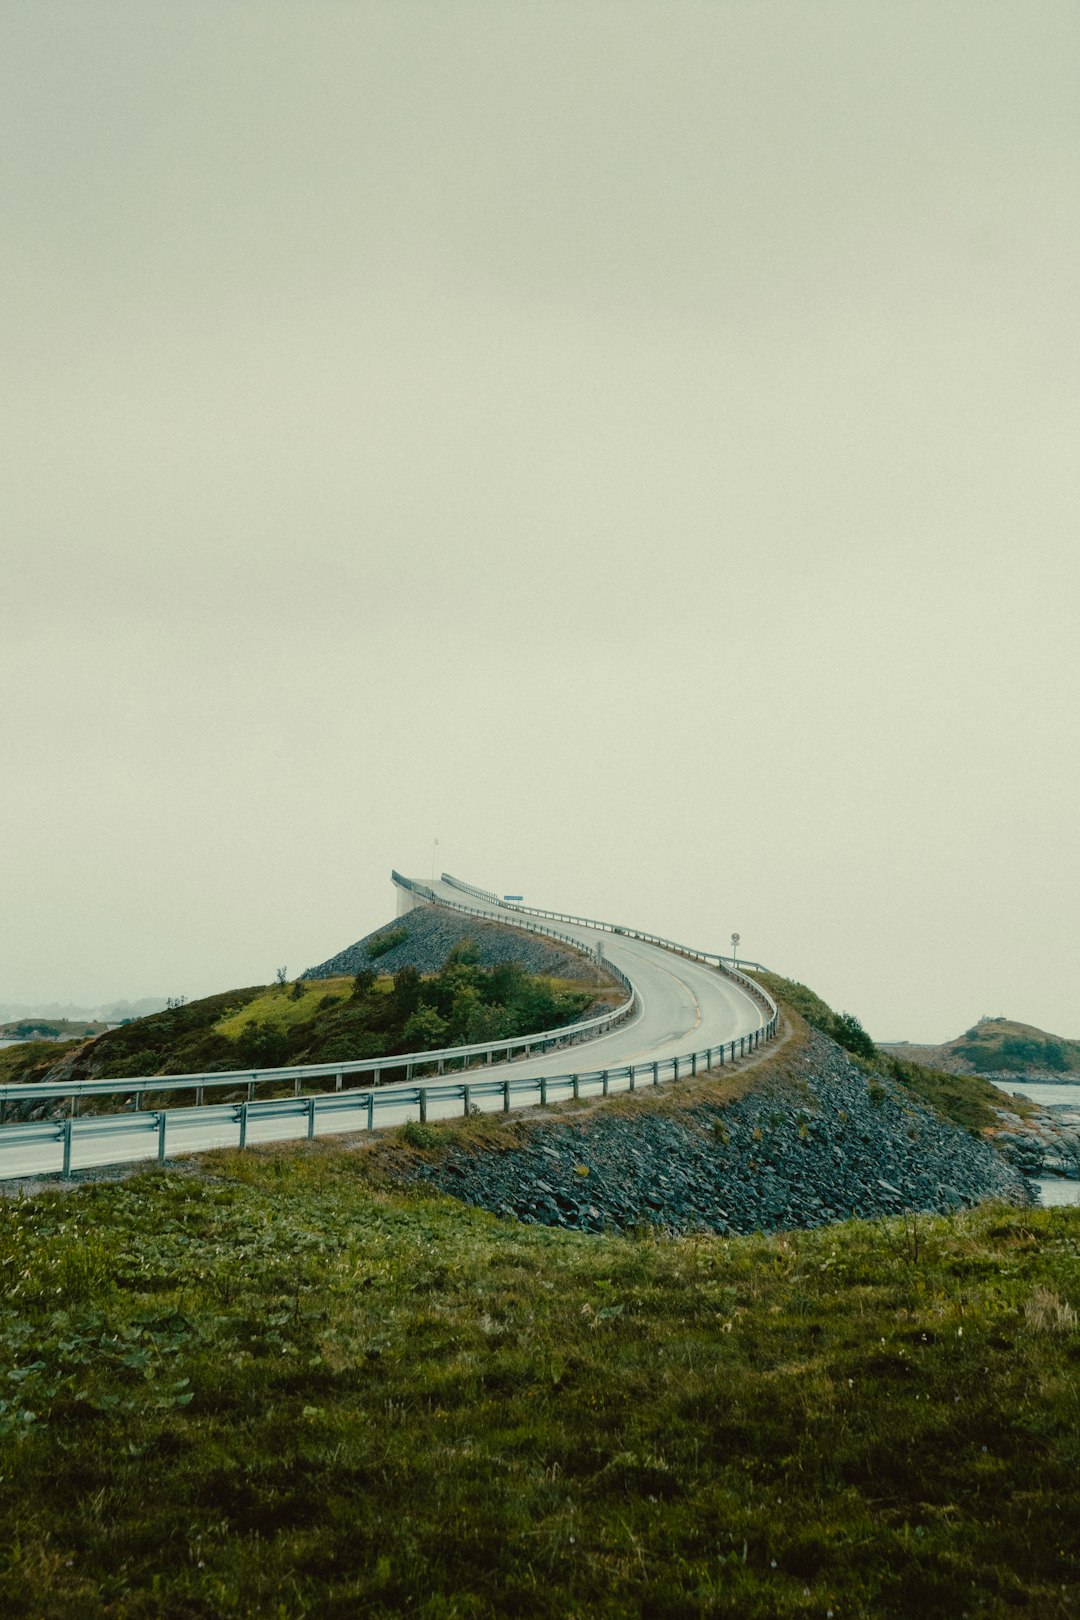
x=274, y=1388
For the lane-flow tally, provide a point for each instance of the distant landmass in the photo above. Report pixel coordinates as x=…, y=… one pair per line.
x=110, y=1012
x=996, y=1046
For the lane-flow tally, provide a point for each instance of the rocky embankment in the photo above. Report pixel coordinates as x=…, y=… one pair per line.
x=430, y=936
x=814, y=1141
x=1046, y=1143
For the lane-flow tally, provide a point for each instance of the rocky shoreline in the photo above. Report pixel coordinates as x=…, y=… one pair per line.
x=1047, y=1143
x=815, y=1141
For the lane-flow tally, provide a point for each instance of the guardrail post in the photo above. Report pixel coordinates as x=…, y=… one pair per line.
x=693, y=1063
x=422, y=1094
x=733, y=1051
x=675, y=1068
x=161, y=1119
x=575, y=1085
x=506, y=1096
x=408, y=1071
x=67, y=1146
x=633, y=1071
x=296, y=1086
x=339, y=1080
x=251, y=1091
x=310, y=1117
x=721, y=1057
x=656, y=1074
x=371, y=1111
x=243, y=1124
x=439, y=1067
x=200, y=1096
x=489, y=1055
x=543, y=1090
x=138, y=1102
x=604, y=1082
x=466, y=1098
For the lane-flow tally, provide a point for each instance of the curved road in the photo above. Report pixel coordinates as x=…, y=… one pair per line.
x=684, y=1007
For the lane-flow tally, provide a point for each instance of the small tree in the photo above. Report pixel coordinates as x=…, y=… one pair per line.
x=424, y=1029
x=281, y=976
x=850, y=1033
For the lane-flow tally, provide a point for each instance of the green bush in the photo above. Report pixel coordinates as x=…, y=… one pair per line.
x=418, y=1135
x=386, y=941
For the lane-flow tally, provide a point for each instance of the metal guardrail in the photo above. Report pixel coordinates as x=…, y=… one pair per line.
x=367, y=1102
x=300, y=1074
x=731, y=962
x=357, y=1109
x=726, y=964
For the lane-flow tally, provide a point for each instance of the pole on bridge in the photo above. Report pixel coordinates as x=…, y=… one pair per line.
x=67, y=1146
x=161, y=1120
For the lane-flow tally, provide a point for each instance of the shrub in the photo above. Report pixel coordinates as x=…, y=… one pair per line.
x=418, y=1135
x=386, y=941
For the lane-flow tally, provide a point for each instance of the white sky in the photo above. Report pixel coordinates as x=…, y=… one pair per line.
x=636, y=444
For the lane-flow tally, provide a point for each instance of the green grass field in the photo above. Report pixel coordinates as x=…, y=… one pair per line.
x=275, y=1388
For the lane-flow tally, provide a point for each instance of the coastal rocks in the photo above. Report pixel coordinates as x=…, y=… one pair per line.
x=816, y=1143
x=1046, y=1144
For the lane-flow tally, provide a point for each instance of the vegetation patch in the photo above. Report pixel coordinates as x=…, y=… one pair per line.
x=386, y=941
x=966, y=1100
x=333, y=1020
x=276, y=1390
x=999, y=1045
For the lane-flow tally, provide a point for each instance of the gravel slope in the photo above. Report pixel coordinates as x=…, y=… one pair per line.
x=809, y=1145
x=433, y=934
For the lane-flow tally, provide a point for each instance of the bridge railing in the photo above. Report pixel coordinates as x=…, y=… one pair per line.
x=301, y=1075
x=156, y=1133
x=728, y=965
x=345, y=1107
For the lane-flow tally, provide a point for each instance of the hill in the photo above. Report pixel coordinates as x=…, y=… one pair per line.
x=439, y=994
x=52, y=1029
x=998, y=1046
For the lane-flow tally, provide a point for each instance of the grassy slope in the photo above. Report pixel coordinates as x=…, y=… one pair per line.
x=266, y=1026
x=32, y=1060
x=281, y=1391
x=966, y=1100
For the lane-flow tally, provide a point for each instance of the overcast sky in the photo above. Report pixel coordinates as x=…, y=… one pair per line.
x=635, y=444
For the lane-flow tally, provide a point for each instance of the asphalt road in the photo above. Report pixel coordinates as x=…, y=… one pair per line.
x=684, y=1006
